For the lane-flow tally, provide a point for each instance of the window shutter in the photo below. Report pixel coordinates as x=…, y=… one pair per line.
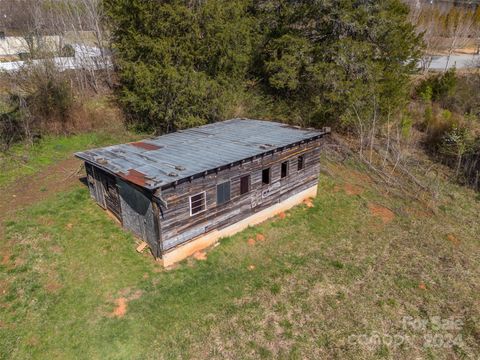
x=223, y=193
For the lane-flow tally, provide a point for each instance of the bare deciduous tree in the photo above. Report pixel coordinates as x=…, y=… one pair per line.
x=444, y=30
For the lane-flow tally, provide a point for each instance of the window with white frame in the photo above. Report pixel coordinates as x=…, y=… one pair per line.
x=198, y=203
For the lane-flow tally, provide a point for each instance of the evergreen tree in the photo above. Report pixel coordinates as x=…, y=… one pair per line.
x=323, y=57
x=181, y=62
x=178, y=60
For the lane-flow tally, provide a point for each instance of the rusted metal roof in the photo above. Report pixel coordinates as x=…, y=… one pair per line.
x=167, y=159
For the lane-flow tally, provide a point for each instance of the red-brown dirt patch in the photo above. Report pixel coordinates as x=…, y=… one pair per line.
x=121, y=303
x=384, y=214
x=121, y=308
x=352, y=190
x=282, y=216
x=5, y=259
x=34, y=188
x=453, y=239
x=260, y=237
x=37, y=187
x=251, y=242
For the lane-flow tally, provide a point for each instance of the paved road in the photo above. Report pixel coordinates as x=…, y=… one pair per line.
x=457, y=61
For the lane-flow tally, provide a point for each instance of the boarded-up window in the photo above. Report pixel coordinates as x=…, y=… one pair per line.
x=223, y=193
x=284, y=169
x=301, y=162
x=266, y=176
x=197, y=203
x=244, y=184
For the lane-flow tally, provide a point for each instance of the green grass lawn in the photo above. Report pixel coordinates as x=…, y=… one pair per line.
x=324, y=277
x=22, y=160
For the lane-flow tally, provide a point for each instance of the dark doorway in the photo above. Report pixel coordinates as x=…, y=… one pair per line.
x=112, y=197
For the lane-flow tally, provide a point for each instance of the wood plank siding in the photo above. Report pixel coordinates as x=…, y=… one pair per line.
x=178, y=226
x=133, y=207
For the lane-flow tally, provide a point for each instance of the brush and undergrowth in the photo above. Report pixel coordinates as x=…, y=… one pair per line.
x=92, y=122
x=325, y=281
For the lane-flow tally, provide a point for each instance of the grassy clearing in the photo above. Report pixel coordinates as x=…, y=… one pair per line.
x=323, y=277
x=24, y=160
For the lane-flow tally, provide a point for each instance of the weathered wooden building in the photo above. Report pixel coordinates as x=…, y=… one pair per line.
x=182, y=191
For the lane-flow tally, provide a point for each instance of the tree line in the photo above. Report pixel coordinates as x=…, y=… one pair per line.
x=182, y=63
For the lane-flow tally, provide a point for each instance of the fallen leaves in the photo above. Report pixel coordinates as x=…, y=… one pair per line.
x=282, y=215
x=251, y=267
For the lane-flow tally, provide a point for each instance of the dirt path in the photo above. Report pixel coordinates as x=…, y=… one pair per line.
x=34, y=188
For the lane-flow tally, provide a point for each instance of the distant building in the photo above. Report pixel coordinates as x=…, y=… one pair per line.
x=12, y=46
